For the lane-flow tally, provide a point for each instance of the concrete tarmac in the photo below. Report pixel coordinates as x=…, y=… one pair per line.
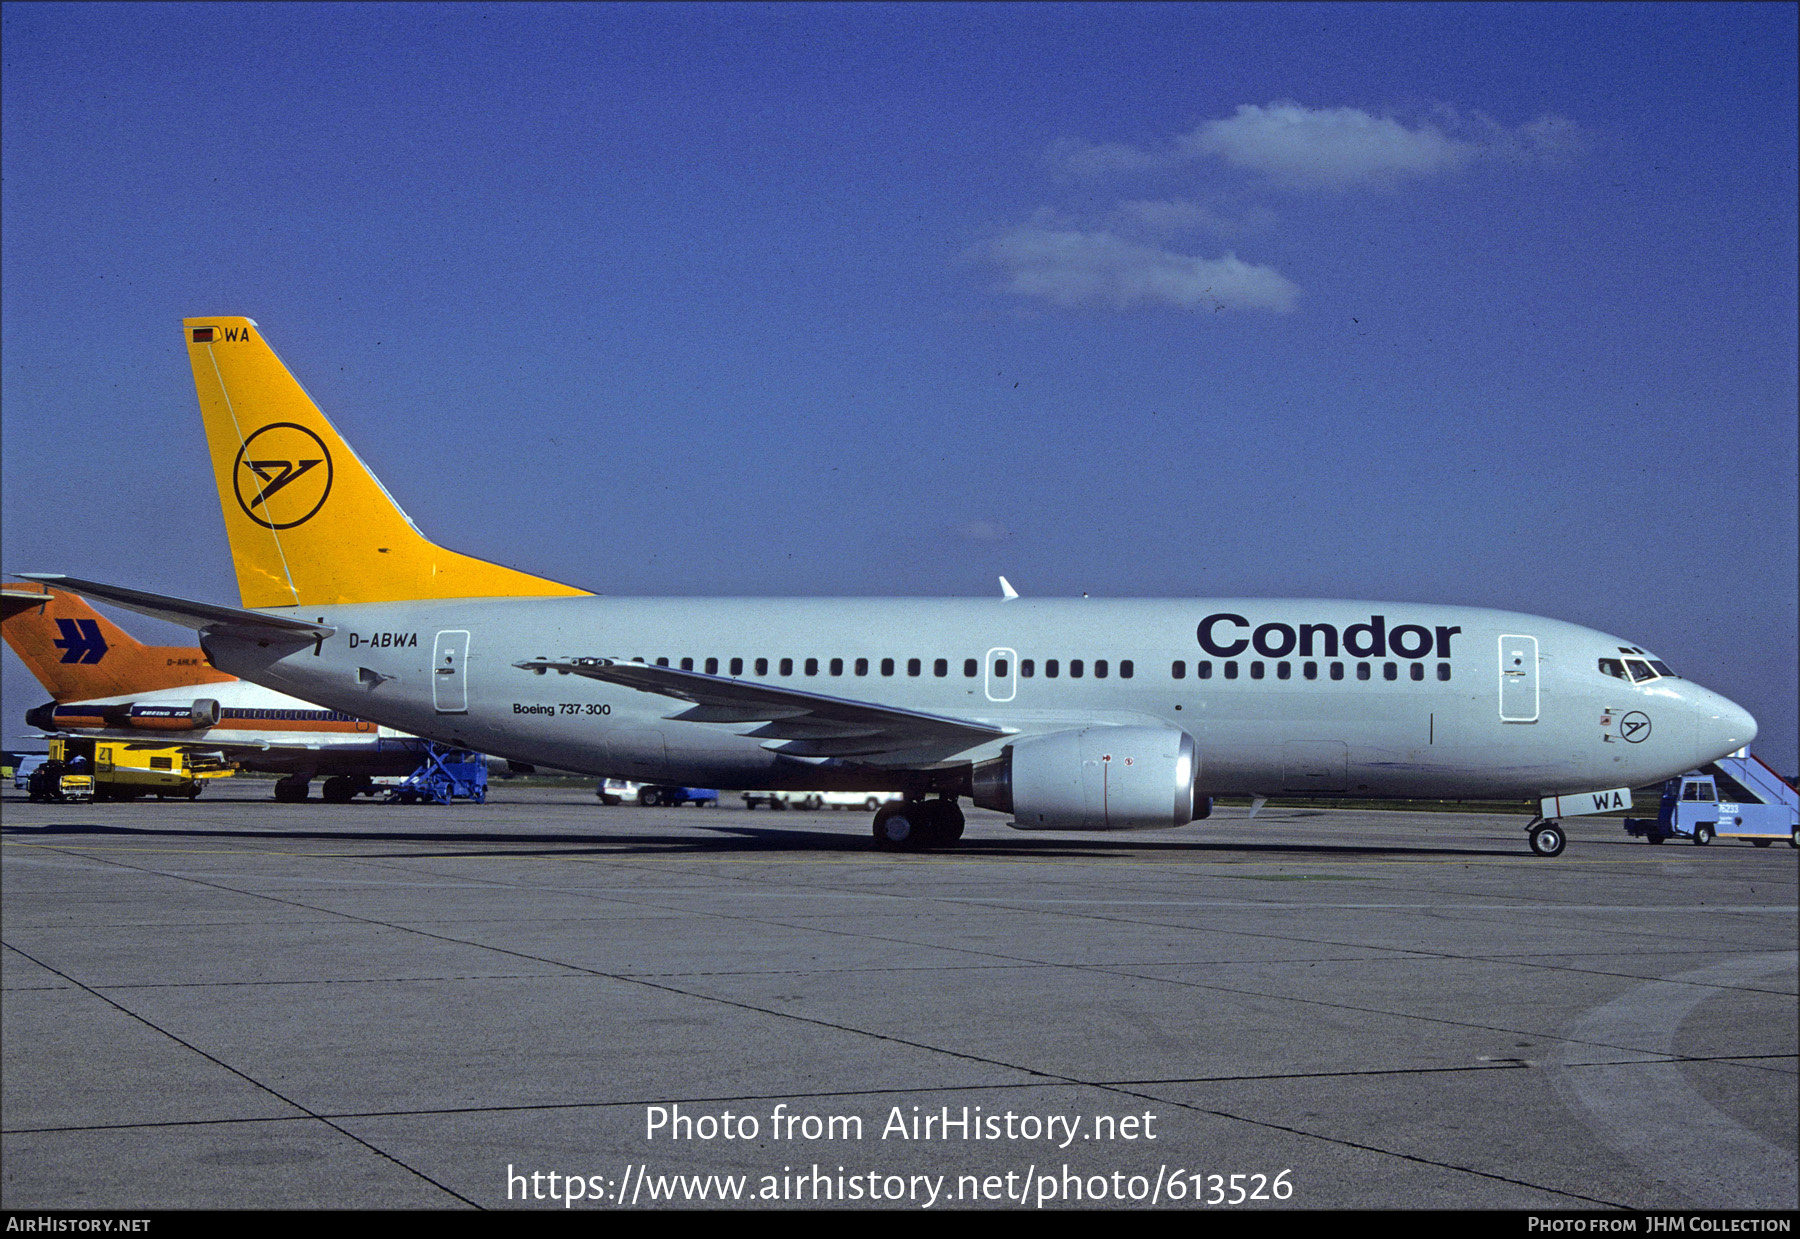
x=541, y=1002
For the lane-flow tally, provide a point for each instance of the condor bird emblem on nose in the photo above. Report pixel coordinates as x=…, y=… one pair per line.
x=282, y=475
x=1635, y=727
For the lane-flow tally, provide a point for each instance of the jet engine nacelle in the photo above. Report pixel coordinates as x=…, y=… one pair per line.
x=1096, y=778
x=168, y=716
x=175, y=716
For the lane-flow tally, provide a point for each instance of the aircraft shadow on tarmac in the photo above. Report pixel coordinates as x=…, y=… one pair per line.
x=733, y=840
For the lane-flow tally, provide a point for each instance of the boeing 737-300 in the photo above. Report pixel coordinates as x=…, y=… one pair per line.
x=1069, y=714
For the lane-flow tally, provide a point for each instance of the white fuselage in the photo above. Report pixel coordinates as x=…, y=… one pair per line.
x=1284, y=696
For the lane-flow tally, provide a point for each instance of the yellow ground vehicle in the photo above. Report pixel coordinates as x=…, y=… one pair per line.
x=117, y=770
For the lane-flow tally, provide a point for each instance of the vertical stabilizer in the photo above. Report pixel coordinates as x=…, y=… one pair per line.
x=308, y=523
x=80, y=655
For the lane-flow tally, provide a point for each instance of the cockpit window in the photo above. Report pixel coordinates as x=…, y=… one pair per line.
x=1612, y=667
x=1640, y=671
x=1662, y=668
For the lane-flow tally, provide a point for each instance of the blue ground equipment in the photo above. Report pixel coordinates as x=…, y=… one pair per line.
x=445, y=775
x=1736, y=797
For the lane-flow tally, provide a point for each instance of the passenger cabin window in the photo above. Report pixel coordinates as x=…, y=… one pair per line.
x=1418, y=671
x=1390, y=671
x=1126, y=669
x=1444, y=672
x=1052, y=668
x=1284, y=671
x=862, y=666
x=1000, y=669
x=1256, y=671
x=737, y=666
x=1075, y=666
x=712, y=666
x=812, y=666
x=887, y=666
x=662, y=662
x=971, y=668
x=762, y=666
x=1230, y=671
x=1203, y=670
x=837, y=666
x=1337, y=671
x=941, y=668
x=1362, y=671
x=1099, y=668
x=1178, y=670
x=912, y=666
x=1027, y=667
x=787, y=666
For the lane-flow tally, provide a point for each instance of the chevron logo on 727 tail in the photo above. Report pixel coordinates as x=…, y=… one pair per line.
x=81, y=641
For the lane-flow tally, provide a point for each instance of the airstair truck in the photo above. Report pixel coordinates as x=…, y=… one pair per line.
x=1736, y=797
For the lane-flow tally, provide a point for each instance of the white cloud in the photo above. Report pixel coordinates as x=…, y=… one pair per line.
x=1165, y=217
x=1070, y=268
x=1332, y=147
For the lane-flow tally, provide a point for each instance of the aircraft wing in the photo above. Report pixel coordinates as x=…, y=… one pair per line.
x=798, y=723
x=200, y=615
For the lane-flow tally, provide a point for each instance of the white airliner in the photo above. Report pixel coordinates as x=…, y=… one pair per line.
x=1069, y=714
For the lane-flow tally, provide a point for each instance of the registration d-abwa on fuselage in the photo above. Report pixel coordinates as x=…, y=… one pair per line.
x=1069, y=714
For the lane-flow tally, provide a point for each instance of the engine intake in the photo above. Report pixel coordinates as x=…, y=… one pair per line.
x=1095, y=778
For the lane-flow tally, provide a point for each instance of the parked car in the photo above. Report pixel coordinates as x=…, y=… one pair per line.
x=869, y=801
x=619, y=791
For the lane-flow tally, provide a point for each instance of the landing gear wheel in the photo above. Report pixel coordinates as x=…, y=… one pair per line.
x=292, y=790
x=1547, y=839
x=338, y=789
x=1703, y=835
x=901, y=826
x=946, y=821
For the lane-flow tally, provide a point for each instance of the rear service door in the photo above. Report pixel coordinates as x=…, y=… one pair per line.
x=449, y=687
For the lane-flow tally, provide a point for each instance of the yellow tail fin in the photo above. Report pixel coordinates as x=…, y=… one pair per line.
x=308, y=523
x=78, y=654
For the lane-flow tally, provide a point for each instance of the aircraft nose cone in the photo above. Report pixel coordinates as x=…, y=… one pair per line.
x=1721, y=725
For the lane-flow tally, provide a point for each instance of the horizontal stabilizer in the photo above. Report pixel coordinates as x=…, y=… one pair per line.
x=198, y=615
x=809, y=724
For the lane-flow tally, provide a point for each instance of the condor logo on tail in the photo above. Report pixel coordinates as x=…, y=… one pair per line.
x=282, y=475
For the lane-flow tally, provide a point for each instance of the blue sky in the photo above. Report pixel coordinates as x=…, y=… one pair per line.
x=1473, y=304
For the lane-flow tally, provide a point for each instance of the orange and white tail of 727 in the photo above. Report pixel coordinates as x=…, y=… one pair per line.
x=78, y=654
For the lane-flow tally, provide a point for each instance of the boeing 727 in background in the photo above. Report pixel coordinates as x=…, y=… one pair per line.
x=1072, y=714
x=107, y=685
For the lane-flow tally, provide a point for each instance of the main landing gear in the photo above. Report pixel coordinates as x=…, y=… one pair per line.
x=1547, y=837
x=909, y=825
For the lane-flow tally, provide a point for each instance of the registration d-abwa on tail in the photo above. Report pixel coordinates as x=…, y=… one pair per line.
x=1070, y=714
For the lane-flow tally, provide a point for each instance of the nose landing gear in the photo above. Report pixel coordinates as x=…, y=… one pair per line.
x=1547, y=837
